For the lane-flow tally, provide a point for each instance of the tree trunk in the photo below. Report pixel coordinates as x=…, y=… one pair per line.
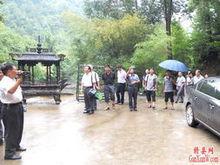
x=168, y=8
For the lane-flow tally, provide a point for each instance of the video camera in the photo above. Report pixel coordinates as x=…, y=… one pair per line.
x=23, y=73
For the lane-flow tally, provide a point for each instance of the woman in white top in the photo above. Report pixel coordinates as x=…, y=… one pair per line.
x=180, y=82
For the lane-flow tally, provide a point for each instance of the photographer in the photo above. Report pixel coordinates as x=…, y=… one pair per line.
x=13, y=112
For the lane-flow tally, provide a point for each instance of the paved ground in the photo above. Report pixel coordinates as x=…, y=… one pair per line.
x=62, y=135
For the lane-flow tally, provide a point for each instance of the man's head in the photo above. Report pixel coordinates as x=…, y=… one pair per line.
x=9, y=70
x=147, y=71
x=198, y=72
x=107, y=69
x=119, y=66
x=91, y=67
x=190, y=74
x=131, y=70
x=151, y=71
x=180, y=74
x=168, y=73
x=87, y=69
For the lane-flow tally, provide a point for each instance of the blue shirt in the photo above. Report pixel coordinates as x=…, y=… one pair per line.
x=132, y=78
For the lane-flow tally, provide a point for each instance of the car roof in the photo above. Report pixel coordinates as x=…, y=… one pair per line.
x=217, y=78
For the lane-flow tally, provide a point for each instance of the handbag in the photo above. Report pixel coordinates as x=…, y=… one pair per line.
x=99, y=95
x=92, y=92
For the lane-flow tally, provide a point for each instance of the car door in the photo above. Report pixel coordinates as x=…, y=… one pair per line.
x=199, y=102
x=214, y=107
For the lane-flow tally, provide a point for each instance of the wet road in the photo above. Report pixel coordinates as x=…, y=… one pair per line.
x=62, y=135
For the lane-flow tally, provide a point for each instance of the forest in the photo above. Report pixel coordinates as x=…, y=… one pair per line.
x=130, y=32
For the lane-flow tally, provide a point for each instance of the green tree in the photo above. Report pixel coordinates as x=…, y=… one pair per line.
x=109, y=8
x=181, y=42
x=152, y=51
x=105, y=41
x=206, y=30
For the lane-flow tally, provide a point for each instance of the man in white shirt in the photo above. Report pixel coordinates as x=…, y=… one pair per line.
x=151, y=87
x=1, y=113
x=197, y=76
x=88, y=83
x=180, y=83
x=11, y=97
x=121, y=83
x=97, y=83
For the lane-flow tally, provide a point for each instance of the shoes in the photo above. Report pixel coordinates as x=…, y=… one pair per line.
x=107, y=108
x=21, y=149
x=131, y=109
x=13, y=157
x=1, y=142
x=91, y=112
x=135, y=109
x=165, y=108
x=85, y=111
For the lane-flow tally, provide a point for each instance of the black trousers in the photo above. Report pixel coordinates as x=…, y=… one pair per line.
x=109, y=92
x=1, y=122
x=120, y=92
x=169, y=95
x=89, y=100
x=132, y=94
x=13, y=118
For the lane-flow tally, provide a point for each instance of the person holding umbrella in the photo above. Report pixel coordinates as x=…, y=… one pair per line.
x=168, y=89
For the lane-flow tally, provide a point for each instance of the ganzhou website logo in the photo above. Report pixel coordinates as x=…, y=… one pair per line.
x=204, y=155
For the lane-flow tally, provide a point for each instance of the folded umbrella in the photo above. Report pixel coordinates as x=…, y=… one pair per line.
x=174, y=65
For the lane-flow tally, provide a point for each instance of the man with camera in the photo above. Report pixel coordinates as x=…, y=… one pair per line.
x=13, y=112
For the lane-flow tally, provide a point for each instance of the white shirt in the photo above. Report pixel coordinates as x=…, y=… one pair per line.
x=95, y=75
x=180, y=81
x=151, y=81
x=122, y=75
x=189, y=81
x=197, y=79
x=88, y=80
x=6, y=98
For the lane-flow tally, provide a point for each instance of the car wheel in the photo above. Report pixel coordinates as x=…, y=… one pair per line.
x=190, y=117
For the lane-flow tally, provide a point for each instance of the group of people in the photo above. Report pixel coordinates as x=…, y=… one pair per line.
x=116, y=82
x=171, y=86
x=11, y=111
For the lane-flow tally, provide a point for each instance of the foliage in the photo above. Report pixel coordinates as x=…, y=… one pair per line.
x=105, y=41
x=181, y=43
x=206, y=31
x=11, y=42
x=151, y=52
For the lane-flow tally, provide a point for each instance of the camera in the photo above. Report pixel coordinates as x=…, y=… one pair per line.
x=24, y=74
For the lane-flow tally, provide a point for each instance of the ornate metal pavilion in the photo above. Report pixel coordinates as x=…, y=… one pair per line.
x=52, y=84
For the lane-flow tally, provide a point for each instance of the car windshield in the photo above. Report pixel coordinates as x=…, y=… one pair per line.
x=215, y=84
